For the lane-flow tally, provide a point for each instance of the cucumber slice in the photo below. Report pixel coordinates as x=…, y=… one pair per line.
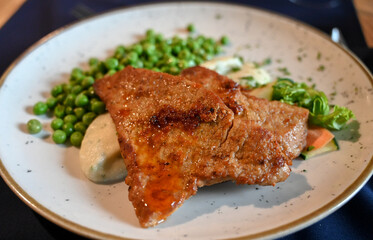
x=330, y=147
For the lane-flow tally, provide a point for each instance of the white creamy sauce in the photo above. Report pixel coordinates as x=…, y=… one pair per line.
x=99, y=155
x=229, y=65
x=223, y=65
x=258, y=75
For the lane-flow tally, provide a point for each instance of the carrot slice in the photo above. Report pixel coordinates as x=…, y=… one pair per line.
x=318, y=137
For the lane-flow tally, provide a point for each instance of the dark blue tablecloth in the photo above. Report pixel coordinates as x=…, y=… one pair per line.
x=36, y=18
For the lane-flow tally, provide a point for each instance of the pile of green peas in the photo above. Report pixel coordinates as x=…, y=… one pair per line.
x=75, y=105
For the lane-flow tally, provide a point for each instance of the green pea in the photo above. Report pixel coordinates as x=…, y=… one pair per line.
x=132, y=57
x=183, y=42
x=99, y=75
x=185, y=64
x=137, y=48
x=148, y=64
x=95, y=99
x=70, y=100
x=174, y=70
x=69, y=110
x=208, y=47
x=57, y=123
x=166, y=49
x=158, y=38
x=79, y=112
x=98, y=107
x=51, y=102
x=200, y=52
x=81, y=100
x=90, y=92
x=56, y=90
x=208, y=56
x=224, y=40
x=59, y=136
x=184, y=54
x=76, y=139
x=111, y=72
x=175, y=39
x=148, y=40
x=218, y=49
x=61, y=98
x=165, y=69
x=153, y=59
x=124, y=61
x=81, y=127
x=72, y=83
x=191, y=28
x=76, y=74
x=40, y=108
x=200, y=39
x=169, y=60
x=120, y=50
x=67, y=87
x=111, y=63
x=70, y=119
x=211, y=41
x=68, y=128
x=59, y=111
x=34, y=126
x=149, y=48
x=88, y=118
x=120, y=67
x=87, y=82
x=176, y=49
x=76, y=89
x=102, y=67
x=150, y=33
x=192, y=45
x=93, y=62
x=138, y=64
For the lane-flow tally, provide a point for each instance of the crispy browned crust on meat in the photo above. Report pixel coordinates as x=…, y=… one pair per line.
x=168, y=128
x=176, y=135
x=266, y=135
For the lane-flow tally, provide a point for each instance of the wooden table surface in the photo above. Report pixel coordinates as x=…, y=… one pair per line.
x=364, y=10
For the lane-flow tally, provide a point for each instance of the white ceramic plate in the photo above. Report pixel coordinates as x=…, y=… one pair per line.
x=48, y=177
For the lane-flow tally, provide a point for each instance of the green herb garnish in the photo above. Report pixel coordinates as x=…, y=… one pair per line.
x=265, y=62
x=284, y=71
x=321, y=68
x=249, y=81
x=300, y=94
x=318, y=56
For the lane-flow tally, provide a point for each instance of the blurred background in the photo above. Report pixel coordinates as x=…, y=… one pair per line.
x=364, y=10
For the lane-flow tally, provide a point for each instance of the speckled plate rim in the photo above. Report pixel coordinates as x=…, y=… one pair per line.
x=282, y=230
